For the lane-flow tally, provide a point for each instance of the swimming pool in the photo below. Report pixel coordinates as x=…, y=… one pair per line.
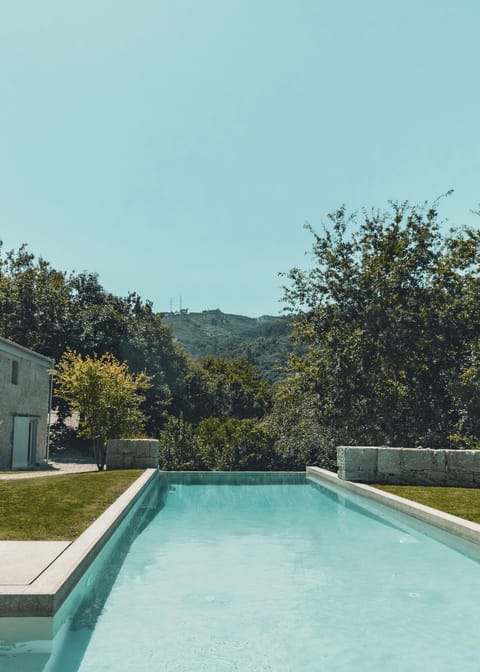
x=285, y=575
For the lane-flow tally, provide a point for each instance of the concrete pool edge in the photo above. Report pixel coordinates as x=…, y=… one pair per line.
x=46, y=593
x=446, y=522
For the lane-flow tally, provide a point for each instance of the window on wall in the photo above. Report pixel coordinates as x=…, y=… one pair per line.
x=14, y=373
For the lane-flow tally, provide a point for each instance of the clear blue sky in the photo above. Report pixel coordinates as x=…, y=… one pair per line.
x=177, y=147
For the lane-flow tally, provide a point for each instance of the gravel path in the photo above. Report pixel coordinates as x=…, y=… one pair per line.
x=54, y=467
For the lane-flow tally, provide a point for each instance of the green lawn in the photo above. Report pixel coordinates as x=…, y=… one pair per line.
x=463, y=502
x=58, y=508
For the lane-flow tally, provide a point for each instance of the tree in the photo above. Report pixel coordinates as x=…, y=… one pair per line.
x=301, y=435
x=228, y=444
x=48, y=311
x=235, y=389
x=179, y=446
x=35, y=302
x=105, y=394
x=466, y=433
x=388, y=313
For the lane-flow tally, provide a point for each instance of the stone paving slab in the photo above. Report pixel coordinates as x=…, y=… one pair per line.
x=21, y=562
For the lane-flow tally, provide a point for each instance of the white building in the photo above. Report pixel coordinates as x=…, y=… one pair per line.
x=25, y=397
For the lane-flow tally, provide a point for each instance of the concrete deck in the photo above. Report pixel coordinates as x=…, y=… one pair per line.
x=21, y=562
x=37, y=576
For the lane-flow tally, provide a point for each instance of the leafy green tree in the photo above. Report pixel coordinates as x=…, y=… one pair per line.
x=99, y=319
x=466, y=433
x=235, y=389
x=388, y=312
x=148, y=346
x=228, y=444
x=217, y=444
x=301, y=435
x=50, y=311
x=179, y=450
x=105, y=394
x=34, y=302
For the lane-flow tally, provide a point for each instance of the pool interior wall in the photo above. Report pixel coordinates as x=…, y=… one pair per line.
x=235, y=477
x=457, y=533
x=117, y=536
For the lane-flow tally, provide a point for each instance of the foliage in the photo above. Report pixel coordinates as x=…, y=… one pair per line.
x=34, y=302
x=105, y=394
x=71, y=318
x=265, y=342
x=179, y=446
x=302, y=437
x=230, y=444
x=50, y=311
x=225, y=444
x=54, y=508
x=387, y=323
x=234, y=389
x=47, y=310
x=388, y=312
x=148, y=346
x=466, y=432
x=218, y=387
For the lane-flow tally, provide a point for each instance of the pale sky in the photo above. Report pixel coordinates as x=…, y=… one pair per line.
x=177, y=147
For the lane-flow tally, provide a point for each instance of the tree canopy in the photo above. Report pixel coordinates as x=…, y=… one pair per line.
x=387, y=322
x=49, y=311
x=389, y=313
x=105, y=394
x=73, y=319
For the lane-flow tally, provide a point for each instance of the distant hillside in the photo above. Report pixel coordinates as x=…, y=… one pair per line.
x=265, y=341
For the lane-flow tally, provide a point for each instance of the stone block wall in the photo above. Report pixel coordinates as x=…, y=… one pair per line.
x=132, y=453
x=409, y=466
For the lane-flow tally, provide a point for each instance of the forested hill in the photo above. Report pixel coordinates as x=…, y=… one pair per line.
x=264, y=341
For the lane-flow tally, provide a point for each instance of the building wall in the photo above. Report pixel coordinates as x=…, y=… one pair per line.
x=409, y=466
x=29, y=397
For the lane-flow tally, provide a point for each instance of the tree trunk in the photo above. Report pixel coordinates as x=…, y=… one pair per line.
x=99, y=452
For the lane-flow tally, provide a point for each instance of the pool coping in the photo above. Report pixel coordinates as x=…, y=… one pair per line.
x=446, y=522
x=43, y=596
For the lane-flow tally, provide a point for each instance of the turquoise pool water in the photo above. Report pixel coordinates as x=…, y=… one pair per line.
x=277, y=578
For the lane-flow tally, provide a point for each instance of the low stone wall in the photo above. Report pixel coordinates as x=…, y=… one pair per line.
x=409, y=466
x=132, y=453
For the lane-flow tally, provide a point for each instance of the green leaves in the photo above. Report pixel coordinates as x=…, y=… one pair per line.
x=179, y=449
x=104, y=393
x=217, y=444
x=48, y=311
x=229, y=444
x=235, y=389
x=388, y=313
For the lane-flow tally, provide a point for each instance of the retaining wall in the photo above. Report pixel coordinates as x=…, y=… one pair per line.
x=132, y=453
x=409, y=466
